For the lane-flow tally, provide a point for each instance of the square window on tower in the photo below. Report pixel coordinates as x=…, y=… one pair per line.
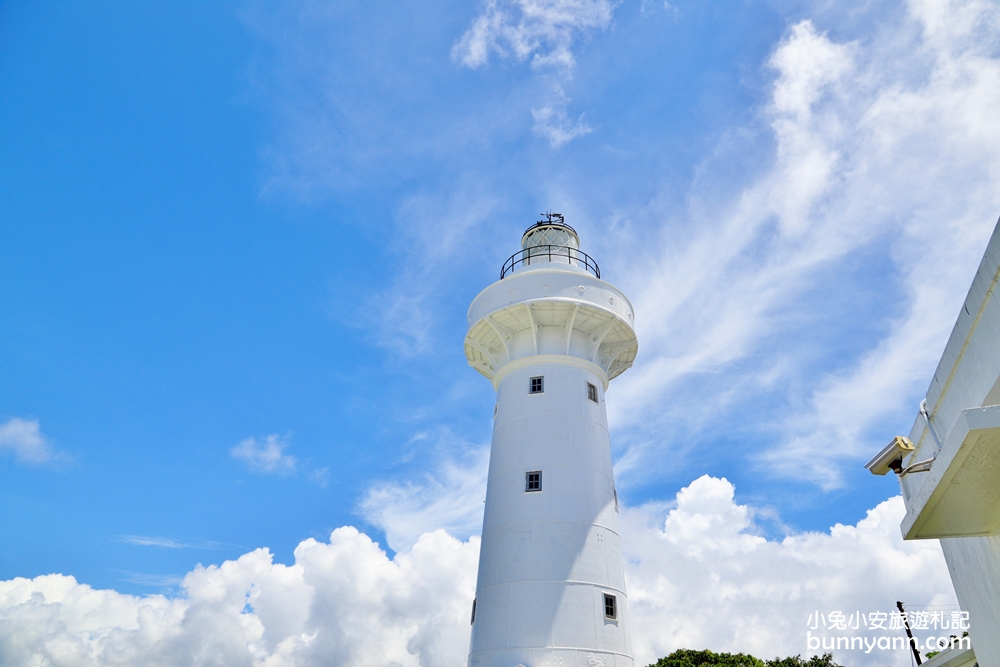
x=533, y=481
x=592, y=392
x=537, y=385
x=610, y=607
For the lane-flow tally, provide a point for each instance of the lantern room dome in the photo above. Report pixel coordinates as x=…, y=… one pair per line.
x=553, y=231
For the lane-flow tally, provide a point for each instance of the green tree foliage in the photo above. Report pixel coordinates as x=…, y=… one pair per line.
x=826, y=660
x=688, y=658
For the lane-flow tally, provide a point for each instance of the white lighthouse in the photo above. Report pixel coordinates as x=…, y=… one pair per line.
x=550, y=335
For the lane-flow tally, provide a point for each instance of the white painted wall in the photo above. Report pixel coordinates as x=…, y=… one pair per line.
x=974, y=565
x=968, y=376
x=548, y=557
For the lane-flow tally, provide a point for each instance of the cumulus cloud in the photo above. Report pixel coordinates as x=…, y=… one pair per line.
x=700, y=575
x=267, y=456
x=885, y=148
x=705, y=577
x=23, y=438
x=343, y=602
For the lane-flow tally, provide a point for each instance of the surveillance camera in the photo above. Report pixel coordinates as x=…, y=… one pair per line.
x=891, y=456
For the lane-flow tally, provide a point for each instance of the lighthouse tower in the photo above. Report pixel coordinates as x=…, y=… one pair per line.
x=550, y=335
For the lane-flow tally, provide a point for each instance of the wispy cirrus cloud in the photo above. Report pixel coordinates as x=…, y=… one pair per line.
x=162, y=581
x=552, y=122
x=149, y=541
x=166, y=542
x=544, y=32
x=540, y=30
x=822, y=288
x=449, y=496
x=433, y=230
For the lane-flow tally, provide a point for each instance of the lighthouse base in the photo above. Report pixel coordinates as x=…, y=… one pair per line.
x=549, y=657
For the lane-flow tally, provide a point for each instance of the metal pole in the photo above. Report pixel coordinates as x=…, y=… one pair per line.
x=906, y=624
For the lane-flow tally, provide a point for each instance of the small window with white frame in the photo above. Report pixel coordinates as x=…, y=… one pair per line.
x=610, y=607
x=536, y=385
x=592, y=392
x=533, y=481
x=473, y=621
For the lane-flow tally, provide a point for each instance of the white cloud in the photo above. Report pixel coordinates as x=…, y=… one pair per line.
x=698, y=576
x=321, y=476
x=149, y=541
x=430, y=231
x=450, y=497
x=24, y=439
x=552, y=123
x=542, y=30
x=343, y=602
x=165, y=542
x=885, y=148
x=704, y=577
x=165, y=582
x=267, y=456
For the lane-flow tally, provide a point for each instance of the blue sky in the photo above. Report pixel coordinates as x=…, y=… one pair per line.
x=239, y=241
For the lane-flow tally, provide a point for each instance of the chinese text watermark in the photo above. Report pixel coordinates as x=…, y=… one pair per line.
x=955, y=622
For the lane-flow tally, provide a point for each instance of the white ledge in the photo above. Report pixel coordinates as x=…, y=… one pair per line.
x=960, y=496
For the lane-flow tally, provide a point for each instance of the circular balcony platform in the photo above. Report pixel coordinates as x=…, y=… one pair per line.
x=550, y=254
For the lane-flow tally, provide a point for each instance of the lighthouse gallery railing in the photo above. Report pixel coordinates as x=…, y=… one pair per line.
x=558, y=254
